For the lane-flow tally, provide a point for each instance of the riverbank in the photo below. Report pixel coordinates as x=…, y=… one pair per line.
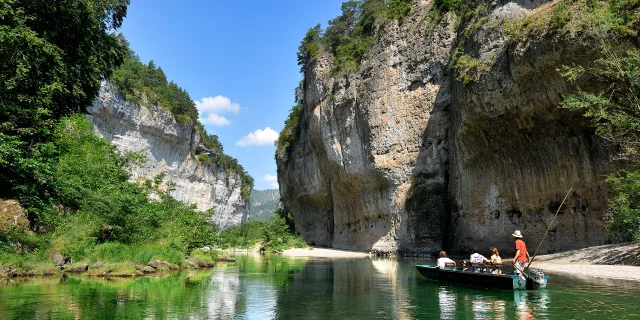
x=114, y=266
x=615, y=261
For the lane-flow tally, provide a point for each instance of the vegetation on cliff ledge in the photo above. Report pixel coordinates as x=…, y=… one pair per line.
x=580, y=19
x=350, y=35
x=611, y=100
x=147, y=84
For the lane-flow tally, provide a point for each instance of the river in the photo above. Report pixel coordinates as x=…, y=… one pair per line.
x=277, y=287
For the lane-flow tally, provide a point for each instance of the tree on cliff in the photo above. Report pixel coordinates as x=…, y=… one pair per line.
x=612, y=98
x=54, y=54
x=350, y=35
x=133, y=78
x=615, y=113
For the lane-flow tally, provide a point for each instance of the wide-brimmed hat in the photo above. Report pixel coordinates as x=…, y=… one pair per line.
x=517, y=234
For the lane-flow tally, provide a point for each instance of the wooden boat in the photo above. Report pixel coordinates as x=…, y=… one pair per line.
x=508, y=281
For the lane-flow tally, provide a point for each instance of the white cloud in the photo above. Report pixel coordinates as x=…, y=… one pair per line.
x=259, y=138
x=214, y=119
x=272, y=179
x=217, y=104
x=210, y=109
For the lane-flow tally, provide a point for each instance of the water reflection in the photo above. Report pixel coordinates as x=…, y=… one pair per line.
x=276, y=287
x=389, y=269
x=447, y=303
x=223, y=298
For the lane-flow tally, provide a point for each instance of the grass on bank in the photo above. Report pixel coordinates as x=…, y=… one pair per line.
x=271, y=235
x=102, y=217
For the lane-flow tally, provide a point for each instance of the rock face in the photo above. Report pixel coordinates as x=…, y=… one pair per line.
x=403, y=157
x=170, y=148
x=12, y=215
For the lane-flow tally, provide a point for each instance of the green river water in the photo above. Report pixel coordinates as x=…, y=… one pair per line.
x=276, y=287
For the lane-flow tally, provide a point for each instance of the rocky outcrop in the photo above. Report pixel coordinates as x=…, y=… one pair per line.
x=403, y=156
x=12, y=215
x=170, y=149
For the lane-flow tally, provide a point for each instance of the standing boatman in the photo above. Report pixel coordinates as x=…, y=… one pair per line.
x=522, y=255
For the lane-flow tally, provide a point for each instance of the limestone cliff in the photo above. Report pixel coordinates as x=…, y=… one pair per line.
x=170, y=148
x=406, y=156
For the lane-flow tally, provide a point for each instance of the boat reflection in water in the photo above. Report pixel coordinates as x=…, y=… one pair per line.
x=457, y=302
x=531, y=305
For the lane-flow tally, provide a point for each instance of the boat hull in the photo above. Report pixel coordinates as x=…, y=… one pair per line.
x=487, y=280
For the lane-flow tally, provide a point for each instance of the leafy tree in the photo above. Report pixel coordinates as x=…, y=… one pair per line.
x=54, y=54
x=611, y=101
x=134, y=79
x=350, y=35
x=309, y=47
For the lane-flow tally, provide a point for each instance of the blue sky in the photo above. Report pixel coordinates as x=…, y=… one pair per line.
x=237, y=60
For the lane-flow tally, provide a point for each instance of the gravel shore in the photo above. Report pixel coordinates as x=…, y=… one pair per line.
x=616, y=261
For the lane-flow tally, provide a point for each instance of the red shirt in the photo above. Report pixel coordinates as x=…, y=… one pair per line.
x=523, y=250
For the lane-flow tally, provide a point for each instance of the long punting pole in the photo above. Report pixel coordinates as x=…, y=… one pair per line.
x=550, y=224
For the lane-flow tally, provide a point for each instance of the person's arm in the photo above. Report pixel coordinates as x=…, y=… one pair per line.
x=528, y=257
x=516, y=256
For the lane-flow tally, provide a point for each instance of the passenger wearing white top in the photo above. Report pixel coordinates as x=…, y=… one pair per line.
x=443, y=259
x=477, y=258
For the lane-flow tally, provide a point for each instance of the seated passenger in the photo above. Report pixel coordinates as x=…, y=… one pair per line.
x=466, y=265
x=495, y=257
x=443, y=259
x=496, y=261
x=477, y=258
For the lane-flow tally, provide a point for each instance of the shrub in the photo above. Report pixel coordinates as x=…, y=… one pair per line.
x=272, y=234
x=584, y=19
x=289, y=133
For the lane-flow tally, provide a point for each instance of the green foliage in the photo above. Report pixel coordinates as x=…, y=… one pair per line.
x=229, y=164
x=138, y=81
x=469, y=68
x=48, y=72
x=285, y=215
x=224, y=162
x=350, y=35
x=614, y=109
x=462, y=8
x=289, y=133
x=139, y=254
x=135, y=79
x=612, y=100
x=74, y=185
x=584, y=19
x=91, y=178
x=309, y=47
x=624, y=204
x=204, y=256
x=211, y=141
x=273, y=234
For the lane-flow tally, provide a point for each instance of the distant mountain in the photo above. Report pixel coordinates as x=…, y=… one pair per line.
x=263, y=204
